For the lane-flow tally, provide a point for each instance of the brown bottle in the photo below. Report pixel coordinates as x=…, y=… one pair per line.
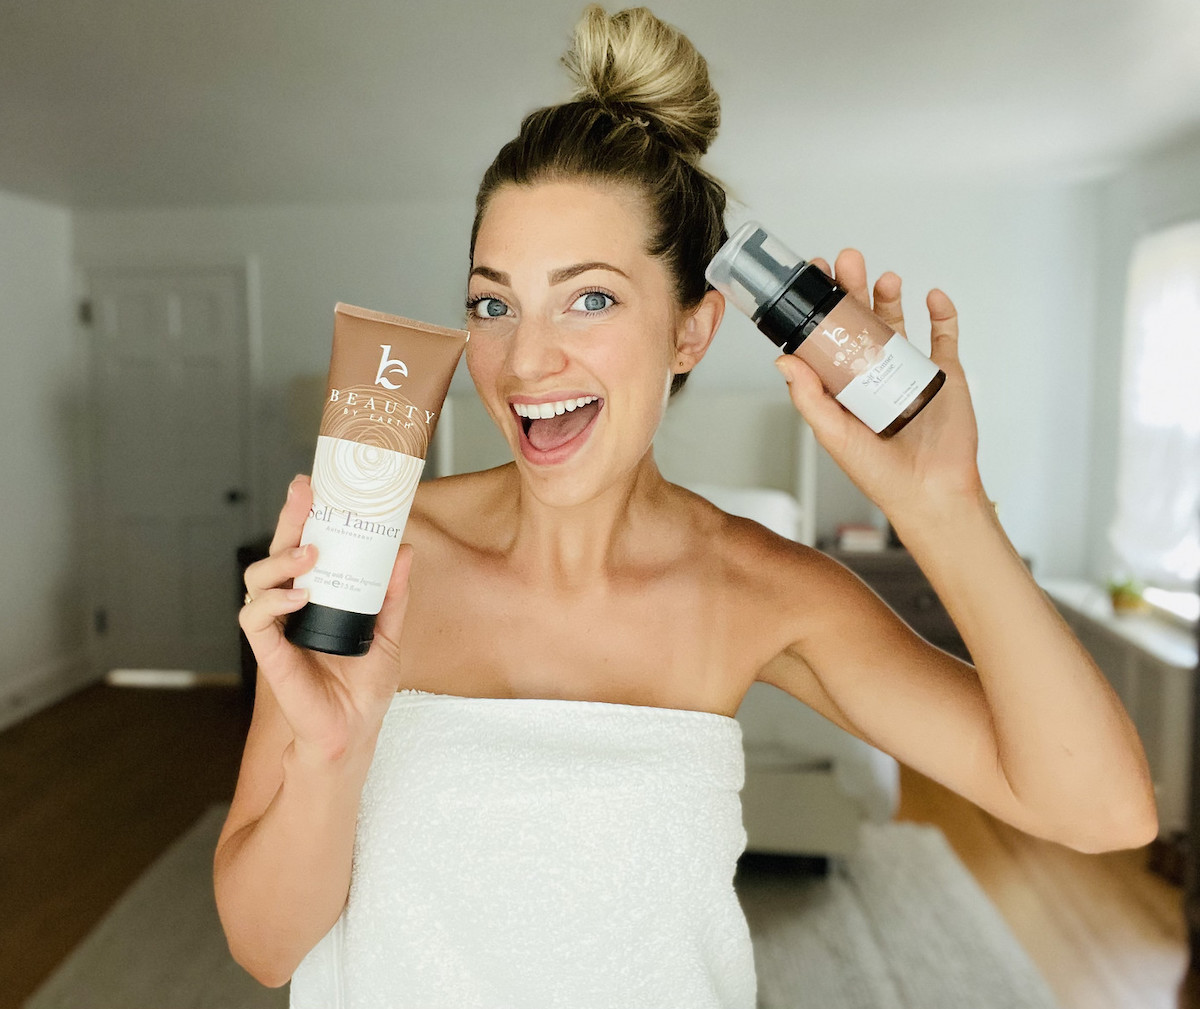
x=874, y=372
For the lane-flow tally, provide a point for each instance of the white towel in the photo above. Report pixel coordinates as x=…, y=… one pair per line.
x=517, y=852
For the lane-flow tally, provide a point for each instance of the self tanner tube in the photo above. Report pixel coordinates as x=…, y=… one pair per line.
x=388, y=378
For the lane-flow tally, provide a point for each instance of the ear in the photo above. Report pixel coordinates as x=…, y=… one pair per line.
x=696, y=331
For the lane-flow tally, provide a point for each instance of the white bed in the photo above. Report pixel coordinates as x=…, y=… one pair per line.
x=809, y=784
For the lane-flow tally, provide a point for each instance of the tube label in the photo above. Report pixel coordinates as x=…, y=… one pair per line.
x=361, y=498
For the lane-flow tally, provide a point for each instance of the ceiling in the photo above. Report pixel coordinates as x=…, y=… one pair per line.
x=116, y=103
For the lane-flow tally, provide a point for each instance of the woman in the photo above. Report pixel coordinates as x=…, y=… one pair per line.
x=526, y=793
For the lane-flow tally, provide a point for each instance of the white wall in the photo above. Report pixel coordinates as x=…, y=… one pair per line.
x=1017, y=259
x=42, y=629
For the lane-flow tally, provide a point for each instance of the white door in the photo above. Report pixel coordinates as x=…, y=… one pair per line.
x=169, y=370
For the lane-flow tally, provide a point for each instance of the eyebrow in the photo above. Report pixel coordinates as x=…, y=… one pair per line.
x=489, y=274
x=555, y=276
x=567, y=272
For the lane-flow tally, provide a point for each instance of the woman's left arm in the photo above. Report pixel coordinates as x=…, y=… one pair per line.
x=1065, y=743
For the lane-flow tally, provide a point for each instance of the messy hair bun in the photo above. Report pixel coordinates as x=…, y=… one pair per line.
x=636, y=65
x=643, y=116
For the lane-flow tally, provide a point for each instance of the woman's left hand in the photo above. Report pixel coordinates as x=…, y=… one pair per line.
x=931, y=463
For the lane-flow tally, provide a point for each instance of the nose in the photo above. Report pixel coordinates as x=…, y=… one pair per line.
x=536, y=350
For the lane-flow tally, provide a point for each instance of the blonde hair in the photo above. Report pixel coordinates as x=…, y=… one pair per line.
x=643, y=115
x=633, y=60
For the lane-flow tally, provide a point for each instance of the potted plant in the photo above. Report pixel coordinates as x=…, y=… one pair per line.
x=1126, y=595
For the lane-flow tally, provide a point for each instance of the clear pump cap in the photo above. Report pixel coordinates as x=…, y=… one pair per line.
x=752, y=268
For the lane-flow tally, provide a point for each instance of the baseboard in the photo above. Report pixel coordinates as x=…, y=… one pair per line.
x=24, y=695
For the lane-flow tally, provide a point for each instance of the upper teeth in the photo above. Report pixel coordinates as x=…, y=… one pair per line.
x=540, y=410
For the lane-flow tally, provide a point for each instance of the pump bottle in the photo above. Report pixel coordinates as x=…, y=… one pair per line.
x=870, y=369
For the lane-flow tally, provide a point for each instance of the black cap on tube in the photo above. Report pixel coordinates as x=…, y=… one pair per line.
x=325, y=629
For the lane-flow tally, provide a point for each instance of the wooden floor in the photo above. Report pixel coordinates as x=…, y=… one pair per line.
x=93, y=790
x=96, y=787
x=1105, y=932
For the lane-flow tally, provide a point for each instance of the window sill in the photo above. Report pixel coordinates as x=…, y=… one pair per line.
x=1161, y=636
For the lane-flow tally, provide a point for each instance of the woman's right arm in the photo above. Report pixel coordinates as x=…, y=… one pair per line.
x=282, y=865
x=281, y=871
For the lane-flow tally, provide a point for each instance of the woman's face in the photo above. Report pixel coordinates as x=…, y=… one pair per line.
x=564, y=304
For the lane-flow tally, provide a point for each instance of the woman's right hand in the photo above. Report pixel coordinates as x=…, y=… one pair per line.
x=333, y=703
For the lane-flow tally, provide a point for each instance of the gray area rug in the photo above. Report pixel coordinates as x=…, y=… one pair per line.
x=901, y=925
x=161, y=945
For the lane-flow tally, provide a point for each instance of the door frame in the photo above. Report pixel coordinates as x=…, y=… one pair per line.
x=247, y=269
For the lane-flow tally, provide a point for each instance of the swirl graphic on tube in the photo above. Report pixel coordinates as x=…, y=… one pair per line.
x=371, y=452
x=372, y=482
x=362, y=414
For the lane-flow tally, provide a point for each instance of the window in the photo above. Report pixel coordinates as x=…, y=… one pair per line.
x=1155, y=535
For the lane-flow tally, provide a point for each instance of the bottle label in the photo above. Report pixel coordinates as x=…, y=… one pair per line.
x=878, y=395
x=874, y=372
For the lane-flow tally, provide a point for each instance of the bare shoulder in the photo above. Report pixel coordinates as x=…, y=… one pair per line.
x=449, y=508
x=808, y=613
x=767, y=560
x=794, y=574
x=774, y=577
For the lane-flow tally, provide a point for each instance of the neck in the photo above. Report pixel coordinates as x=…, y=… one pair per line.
x=582, y=543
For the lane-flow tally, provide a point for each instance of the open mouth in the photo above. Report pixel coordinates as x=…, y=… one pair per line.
x=549, y=433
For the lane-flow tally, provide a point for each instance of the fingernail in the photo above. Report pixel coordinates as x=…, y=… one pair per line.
x=783, y=370
x=300, y=551
x=297, y=593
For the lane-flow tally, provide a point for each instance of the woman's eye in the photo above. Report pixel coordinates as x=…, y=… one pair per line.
x=594, y=301
x=488, y=308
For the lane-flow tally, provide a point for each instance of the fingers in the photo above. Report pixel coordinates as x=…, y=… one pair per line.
x=279, y=569
x=269, y=581
x=887, y=302
x=943, y=328
x=287, y=558
x=850, y=270
x=262, y=623
x=291, y=517
x=831, y=423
